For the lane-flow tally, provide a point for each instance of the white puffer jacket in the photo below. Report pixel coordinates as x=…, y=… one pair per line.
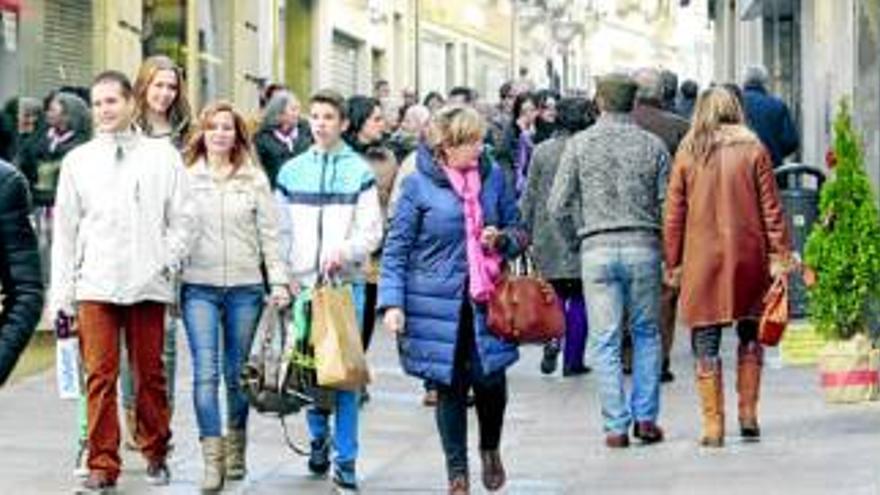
x=123, y=222
x=238, y=228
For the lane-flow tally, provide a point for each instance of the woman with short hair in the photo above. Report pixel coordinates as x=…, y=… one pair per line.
x=455, y=222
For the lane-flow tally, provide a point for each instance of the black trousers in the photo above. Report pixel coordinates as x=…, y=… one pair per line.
x=706, y=341
x=490, y=393
x=371, y=292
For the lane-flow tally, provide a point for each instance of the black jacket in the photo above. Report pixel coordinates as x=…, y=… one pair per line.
x=273, y=154
x=20, y=276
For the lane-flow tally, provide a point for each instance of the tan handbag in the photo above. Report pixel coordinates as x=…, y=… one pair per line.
x=775, y=316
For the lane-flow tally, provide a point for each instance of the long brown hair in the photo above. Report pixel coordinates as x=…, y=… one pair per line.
x=241, y=150
x=179, y=113
x=715, y=108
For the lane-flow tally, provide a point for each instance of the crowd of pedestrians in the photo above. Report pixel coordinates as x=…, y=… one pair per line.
x=160, y=219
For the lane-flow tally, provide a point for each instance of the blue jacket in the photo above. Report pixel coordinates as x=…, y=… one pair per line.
x=424, y=268
x=768, y=116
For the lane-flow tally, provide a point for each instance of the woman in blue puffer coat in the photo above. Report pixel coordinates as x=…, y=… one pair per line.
x=455, y=222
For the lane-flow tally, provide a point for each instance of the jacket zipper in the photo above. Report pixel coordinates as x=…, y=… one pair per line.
x=321, y=191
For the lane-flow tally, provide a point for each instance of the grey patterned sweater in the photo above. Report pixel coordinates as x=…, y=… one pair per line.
x=611, y=180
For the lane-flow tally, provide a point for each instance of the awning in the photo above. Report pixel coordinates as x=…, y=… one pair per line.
x=14, y=5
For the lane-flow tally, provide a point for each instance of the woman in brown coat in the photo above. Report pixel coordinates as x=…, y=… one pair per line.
x=725, y=238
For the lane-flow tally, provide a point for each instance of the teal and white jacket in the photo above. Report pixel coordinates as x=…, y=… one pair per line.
x=327, y=202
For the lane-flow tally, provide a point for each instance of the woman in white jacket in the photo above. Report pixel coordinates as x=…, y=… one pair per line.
x=223, y=287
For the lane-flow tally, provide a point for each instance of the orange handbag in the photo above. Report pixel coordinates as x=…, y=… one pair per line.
x=775, y=316
x=525, y=309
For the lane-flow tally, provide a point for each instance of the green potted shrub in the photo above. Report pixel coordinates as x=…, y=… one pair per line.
x=844, y=252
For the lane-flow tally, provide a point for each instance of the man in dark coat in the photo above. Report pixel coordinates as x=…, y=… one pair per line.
x=21, y=283
x=768, y=116
x=670, y=128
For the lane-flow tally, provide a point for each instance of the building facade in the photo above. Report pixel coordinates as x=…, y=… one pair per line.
x=818, y=52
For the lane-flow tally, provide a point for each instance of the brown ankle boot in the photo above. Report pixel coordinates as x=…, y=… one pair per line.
x=711, y=389
x=493, y=470
x=750, y=360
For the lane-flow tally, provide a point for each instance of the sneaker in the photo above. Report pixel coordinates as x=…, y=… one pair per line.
x=319, y=457
x=551, y=353
x=158, y=474
x=96, y=484
x=81, y=461
x=344, y=476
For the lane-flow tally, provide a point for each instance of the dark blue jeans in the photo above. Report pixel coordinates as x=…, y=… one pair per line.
x=211, y=315
x=490, y=393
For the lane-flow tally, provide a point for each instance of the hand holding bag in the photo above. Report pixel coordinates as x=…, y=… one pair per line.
x=524, y=308
x=775, y=316
x=339, y=353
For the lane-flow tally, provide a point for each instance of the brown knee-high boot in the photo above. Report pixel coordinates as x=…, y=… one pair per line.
x=750, y=360
x=711, y=388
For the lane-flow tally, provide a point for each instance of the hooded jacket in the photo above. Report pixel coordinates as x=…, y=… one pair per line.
x=327, y=202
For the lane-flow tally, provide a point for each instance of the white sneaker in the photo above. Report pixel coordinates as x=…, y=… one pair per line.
x=80, y=464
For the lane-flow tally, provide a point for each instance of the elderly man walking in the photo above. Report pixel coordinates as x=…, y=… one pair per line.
x=651, y=116
x=768, y=115
x=607, y=197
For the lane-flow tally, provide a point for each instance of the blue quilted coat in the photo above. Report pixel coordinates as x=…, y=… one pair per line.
x=424, y=268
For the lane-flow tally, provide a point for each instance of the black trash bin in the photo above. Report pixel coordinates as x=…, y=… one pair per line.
x=799, y=187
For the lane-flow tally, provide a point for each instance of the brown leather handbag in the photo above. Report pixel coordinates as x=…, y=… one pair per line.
x=775, y=316
x=524, y=308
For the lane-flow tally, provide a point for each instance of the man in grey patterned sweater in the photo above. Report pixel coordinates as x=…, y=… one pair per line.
x=607, y=197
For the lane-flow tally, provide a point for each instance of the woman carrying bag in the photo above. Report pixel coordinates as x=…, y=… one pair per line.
x=223, y=291
x=455, y=222
x=725, y=240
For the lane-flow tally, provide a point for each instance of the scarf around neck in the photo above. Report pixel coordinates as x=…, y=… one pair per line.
x=484, y=267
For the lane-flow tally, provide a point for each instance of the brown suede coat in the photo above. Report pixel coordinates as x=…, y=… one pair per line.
x=723, y=223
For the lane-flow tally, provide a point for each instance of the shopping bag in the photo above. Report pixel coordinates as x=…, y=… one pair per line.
x=68, y=367
x=848, y=371
x=774, y=319
x=339, y=353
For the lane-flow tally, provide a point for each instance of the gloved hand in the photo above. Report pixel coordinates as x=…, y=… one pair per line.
x=64, y=325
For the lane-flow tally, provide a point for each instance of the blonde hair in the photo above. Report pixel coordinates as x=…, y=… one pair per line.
x=241, y=153
x=453, y=126
x=715, y=108
x=179, y=114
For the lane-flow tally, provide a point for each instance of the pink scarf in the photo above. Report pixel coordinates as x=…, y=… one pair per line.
x=484, y=267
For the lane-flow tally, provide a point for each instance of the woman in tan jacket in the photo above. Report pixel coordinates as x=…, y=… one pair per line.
x=725, y=239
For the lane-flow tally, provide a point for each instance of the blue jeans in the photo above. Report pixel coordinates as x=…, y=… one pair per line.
x=345, y=437
x=211, y=315
x=623, y=278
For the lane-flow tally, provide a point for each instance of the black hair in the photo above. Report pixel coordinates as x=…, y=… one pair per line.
x=430, y=96
x=465, y=92
x=518, y=103
x=505, y=90
x=360, y=108
x=576, y=114
x=690, y=89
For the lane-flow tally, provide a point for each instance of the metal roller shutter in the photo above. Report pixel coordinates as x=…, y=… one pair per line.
x=344, y=64
x=68, y=39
